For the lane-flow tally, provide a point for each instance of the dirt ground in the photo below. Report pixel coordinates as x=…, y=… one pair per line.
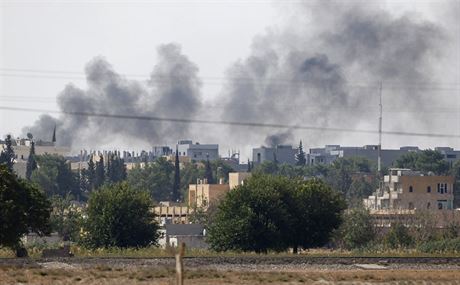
x=64, y=272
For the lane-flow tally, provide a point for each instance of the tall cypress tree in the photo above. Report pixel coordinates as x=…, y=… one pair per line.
x=91, y=173
x=175, y=195
x=100, y=174
x=7, y=155
x=208, y=172
x=300, y=156
x=109, y=168
x=31, y=161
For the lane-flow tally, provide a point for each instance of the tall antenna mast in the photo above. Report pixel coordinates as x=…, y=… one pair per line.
x=379, y=159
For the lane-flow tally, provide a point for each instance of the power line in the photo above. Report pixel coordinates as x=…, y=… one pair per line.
x=228, y=123
x=242, y=80
x=286, y=107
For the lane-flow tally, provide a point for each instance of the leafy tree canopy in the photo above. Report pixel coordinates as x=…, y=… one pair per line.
x=23, y=209
x=274, y=213
x=357, y=229
x=425, y=161
x=119, y=216
x=155, y=178
x=55, y=177
x=7, y=155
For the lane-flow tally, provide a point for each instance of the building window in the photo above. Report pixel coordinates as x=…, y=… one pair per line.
x=411, y=189
x=411, y=206
x=442, y=188
x=428, y=189
x=440, y=206
x=428, y=205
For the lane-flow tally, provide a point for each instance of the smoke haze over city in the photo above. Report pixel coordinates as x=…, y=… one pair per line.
x=320, y=66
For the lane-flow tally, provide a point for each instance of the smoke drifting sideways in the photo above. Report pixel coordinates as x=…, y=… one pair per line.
x=324, y=70
x=173, y=90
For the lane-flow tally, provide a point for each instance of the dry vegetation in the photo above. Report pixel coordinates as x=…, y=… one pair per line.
x=165, y=275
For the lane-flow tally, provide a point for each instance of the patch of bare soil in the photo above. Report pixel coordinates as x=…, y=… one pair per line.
x=60, y=272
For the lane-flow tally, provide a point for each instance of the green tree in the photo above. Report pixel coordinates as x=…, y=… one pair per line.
x=155, y=178
x=252, y=217
x=426, y=161
x=222, y=169
x=54, y=176
x=31, y=161
x=266, y=167
x=119, y=216
x=316, y=212
x=357, y=229
x=300, y=158
x=275, y=212
x=190, y=174
x=116, y=169
x=208, y=172
x=455, y=171
x=66, y=218
x=91, y=174
x=23, y=209
x=358, y=190
x=175, y=193
x=100, y=173
x=7, y=155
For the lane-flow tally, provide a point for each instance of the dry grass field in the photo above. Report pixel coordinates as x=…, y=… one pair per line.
x=62, y=273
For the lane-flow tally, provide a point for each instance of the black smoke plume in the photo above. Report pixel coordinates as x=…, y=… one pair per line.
x=325, y=68
x=172, y=91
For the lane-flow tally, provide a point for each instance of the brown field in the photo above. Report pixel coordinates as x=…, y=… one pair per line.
x=54, y=272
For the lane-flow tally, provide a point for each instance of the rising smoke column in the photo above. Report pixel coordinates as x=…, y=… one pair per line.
x=172, y=91
x=324, y=70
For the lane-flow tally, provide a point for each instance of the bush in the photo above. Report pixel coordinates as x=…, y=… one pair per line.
x=357, y=229
x=441, y=246
x=119, y=216
x=398, y=237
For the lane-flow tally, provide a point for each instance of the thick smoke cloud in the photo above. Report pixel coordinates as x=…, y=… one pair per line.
x=324, y=71
x=279, y=139
x=172, y=91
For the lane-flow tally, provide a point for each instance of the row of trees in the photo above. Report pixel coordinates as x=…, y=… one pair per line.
x=358, y=231
x=117, y=215
x=158, y=178
x=355, y=178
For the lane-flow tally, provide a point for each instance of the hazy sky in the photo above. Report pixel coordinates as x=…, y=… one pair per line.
x=46, y=44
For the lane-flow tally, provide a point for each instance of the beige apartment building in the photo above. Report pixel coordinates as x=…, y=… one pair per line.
x=204, y=195
x=200, y=195
x=404, y=189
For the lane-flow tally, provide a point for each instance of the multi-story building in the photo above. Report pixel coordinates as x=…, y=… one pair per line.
x=197, y=151
x=330, y=153
x=404, y=189
x=280, y=153
x=200, y=195
x=204, y=195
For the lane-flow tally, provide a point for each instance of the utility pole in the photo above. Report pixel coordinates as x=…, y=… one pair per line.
x=379, y=159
